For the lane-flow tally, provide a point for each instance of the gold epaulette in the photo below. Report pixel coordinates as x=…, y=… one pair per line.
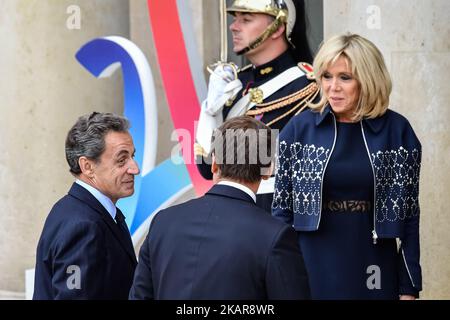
x=307, y=69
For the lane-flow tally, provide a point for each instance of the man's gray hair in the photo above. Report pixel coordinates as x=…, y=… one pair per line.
x=87, y=137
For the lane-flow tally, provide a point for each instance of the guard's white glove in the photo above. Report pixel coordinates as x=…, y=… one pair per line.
x=205, y=128
x=222, y=86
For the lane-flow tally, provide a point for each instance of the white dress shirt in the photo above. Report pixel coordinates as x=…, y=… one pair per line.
x=240, y=187
x=104, y=200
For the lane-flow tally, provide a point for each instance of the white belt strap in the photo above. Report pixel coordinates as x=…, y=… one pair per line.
x=267, y=186
x=268, y=88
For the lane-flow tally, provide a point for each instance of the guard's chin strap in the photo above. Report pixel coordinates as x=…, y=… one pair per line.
x=281, y=18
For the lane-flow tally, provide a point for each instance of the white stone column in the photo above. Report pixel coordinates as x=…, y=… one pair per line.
x=414, y=37
x=43, y=90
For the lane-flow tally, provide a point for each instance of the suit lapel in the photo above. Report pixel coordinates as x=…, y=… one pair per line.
x=85, y=196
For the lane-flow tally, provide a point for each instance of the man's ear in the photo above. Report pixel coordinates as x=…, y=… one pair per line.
x=214, y=166
x=280, y=32
x=86, y=166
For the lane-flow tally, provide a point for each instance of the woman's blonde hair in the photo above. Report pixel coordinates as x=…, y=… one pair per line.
x=368, y=67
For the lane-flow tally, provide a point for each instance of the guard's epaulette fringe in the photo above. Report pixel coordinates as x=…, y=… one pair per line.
x=307, y=69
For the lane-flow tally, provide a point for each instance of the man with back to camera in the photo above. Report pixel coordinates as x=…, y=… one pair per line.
x=221, y=245
x=85, y=249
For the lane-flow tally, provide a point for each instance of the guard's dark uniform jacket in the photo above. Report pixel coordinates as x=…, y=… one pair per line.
x=275, y=110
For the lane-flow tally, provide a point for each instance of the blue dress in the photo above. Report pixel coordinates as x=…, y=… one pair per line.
x=341, y=258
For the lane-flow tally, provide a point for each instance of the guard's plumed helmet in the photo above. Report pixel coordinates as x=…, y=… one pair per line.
x=283, y=10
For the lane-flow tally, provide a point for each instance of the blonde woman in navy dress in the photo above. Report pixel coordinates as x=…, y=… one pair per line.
x=348, y=180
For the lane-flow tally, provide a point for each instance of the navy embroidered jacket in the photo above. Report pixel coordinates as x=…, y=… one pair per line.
x=306, y=145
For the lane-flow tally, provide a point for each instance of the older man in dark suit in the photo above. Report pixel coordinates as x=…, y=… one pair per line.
x=85, y=250
x=221, y=245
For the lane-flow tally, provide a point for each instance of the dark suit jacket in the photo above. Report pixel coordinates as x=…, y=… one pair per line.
x=219, y=246
x=81, y=238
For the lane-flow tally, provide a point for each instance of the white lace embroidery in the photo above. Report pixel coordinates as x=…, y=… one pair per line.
x=397, y=184
x=298, y=175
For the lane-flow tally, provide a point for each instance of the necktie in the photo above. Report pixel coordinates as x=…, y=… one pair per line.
x=120, y=220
